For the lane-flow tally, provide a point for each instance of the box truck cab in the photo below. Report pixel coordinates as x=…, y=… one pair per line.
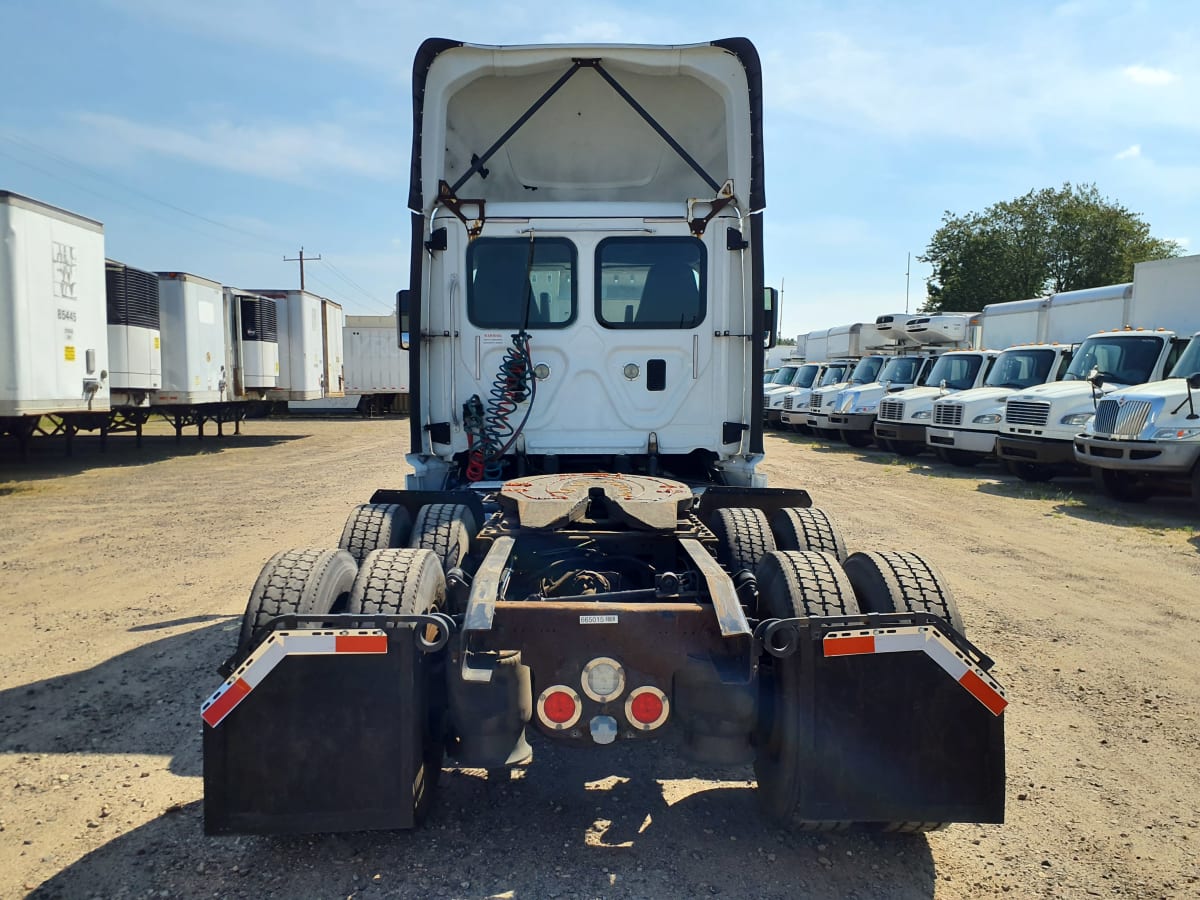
x=821, y=401
x=890, y=415
x=855, y=408
x=962, y=428
x=795, y=404
x=773, y=400
x=1039, y=424
x=1144, y=436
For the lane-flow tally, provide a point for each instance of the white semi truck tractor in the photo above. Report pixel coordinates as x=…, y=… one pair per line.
x=1144, y=437
x=962, y=428
x=584, y=547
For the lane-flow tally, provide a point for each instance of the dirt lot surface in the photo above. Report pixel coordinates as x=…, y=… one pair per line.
x=123, y=577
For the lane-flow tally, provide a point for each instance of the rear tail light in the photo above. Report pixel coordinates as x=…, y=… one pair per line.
x=647, y=708
x=559, y=707
x=603, y=679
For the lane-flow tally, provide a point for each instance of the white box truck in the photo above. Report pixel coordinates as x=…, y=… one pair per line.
x=1145, y=436
x=53, y=323
x=1037, y=434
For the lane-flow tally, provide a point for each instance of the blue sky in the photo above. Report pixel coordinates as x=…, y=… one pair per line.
x=217, y=137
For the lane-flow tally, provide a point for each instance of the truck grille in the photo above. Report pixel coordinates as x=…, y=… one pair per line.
x=947, y=413
x=787, y=401
x=1027, y=412
x=891, y=410
x=1121, y=419
x=815, y=403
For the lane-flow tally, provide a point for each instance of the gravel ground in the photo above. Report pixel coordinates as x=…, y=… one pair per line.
x=123, y=577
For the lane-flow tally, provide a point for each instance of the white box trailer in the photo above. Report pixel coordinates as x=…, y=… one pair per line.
x=308, y=325
x=376, y=370
x=134, y=334
x=253, y=356
x=53, y=328
x=195, y=340
x=333, y=324
x=375, y=364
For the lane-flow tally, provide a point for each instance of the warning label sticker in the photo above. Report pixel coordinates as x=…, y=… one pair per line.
x=69, y=353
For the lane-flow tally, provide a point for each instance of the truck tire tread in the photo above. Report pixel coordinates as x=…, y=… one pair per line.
x=374, y=526
x=296, y=582
x=743, y=537
x=446, y=529
x=798, y=528
x=900, y=581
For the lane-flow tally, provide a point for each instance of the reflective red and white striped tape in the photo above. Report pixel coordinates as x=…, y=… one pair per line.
x=258, y=665
x=932, y=643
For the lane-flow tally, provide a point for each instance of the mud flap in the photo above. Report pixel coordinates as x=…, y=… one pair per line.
x=316, y=732
x=903, y=726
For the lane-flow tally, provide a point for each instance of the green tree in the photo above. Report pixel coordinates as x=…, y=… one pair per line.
x=1045, y=241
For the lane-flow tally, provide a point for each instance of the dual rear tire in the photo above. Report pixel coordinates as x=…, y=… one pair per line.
x=800, y=583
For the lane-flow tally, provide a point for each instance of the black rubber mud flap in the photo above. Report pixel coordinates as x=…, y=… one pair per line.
x=320, y=743
x=893, y=737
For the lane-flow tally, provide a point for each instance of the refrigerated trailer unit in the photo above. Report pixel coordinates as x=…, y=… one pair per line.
x=53, y=327
x=134, y=334
x=558, y=575
x=253, y=354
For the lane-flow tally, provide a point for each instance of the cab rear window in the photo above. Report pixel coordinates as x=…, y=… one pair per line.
x=650, y=282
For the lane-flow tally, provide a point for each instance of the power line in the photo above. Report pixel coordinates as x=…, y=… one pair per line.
x=172, y=206
x=354, y=284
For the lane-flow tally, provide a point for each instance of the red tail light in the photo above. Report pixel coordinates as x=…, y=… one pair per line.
x=647, y=708
x=559, y=707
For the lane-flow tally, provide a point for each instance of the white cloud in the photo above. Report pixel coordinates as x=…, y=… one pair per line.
x=1145, y=75
x=1132, y=152
x=281, y=152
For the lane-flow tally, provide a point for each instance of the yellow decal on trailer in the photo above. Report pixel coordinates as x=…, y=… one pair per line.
x=69, y=353
x=156, y=342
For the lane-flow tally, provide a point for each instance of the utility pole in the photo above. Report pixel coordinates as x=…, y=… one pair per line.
x=300, y=259
x=907, y=273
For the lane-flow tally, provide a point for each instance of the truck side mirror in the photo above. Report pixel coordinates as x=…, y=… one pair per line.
x=770, y=317
x=1193, y=381
x=402, y=299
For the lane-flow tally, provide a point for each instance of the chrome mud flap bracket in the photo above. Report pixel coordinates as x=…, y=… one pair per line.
x=902, y=722
x=319, y=728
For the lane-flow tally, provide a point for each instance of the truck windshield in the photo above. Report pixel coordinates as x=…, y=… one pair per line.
x=866, y=370
x=805, y=375
x=833, y=374
x=1189, y=363
x=650, y=282
x=901, y=370
x=1020, y=369
x=784, y=375
x=1123, y=358
x=507, y=289
x=958, y=372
